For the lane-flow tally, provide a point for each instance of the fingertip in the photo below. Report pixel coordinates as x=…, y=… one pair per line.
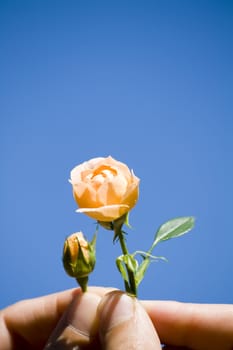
x=115, y=307
x=79, y=324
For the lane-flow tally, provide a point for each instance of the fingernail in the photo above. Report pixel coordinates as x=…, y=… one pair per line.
x=116, y=307
x=78, y=325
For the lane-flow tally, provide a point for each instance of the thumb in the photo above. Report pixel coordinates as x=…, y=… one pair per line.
x=78, y=326
x=124, y=324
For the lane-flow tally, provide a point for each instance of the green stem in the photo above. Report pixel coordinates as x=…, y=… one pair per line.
x=131, y=285
x=83, y=281
x=122, y=242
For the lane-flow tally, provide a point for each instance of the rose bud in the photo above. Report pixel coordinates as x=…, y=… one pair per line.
x=104, y=188
x=79, y=257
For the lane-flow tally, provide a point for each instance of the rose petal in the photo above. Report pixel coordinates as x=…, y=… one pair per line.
x=93, y=163
x=85, y=195
x=131, y=196
x=76, y=172
x=111, y=192
x=120, y=167
x=105, y=213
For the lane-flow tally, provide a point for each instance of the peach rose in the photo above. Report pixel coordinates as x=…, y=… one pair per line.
x=104, y=188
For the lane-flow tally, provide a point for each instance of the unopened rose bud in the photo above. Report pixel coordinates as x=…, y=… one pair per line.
x=79, y=257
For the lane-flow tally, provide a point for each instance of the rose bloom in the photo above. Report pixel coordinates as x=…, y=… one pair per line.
x=104, y=188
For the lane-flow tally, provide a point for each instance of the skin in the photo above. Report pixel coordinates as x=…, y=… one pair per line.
x=108, y=319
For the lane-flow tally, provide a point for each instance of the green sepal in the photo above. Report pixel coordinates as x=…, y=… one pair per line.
x=108, y=225
x=117, y=225
x=92, y=244
x=127, y=221
x=68, y=266
x=127, y=266
x=131, y=262
x=121, y=267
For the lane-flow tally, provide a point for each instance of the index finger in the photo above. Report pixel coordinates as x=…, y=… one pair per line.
x=197, y=326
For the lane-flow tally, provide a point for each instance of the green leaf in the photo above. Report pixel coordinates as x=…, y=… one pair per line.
x=142, y=270
x=147, y=260
x=173, y=228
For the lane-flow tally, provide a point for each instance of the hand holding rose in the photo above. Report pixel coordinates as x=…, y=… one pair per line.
x=110, y=320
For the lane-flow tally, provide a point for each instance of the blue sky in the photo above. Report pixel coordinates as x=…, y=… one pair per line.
x=147, y=82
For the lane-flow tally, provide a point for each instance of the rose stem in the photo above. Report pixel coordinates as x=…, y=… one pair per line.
x=133, y=288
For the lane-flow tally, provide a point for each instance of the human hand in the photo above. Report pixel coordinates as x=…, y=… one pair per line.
x=117, y=321
x=91, y=320
x=27, y=324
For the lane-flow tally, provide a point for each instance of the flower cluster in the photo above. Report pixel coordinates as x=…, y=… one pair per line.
x=106, y=190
